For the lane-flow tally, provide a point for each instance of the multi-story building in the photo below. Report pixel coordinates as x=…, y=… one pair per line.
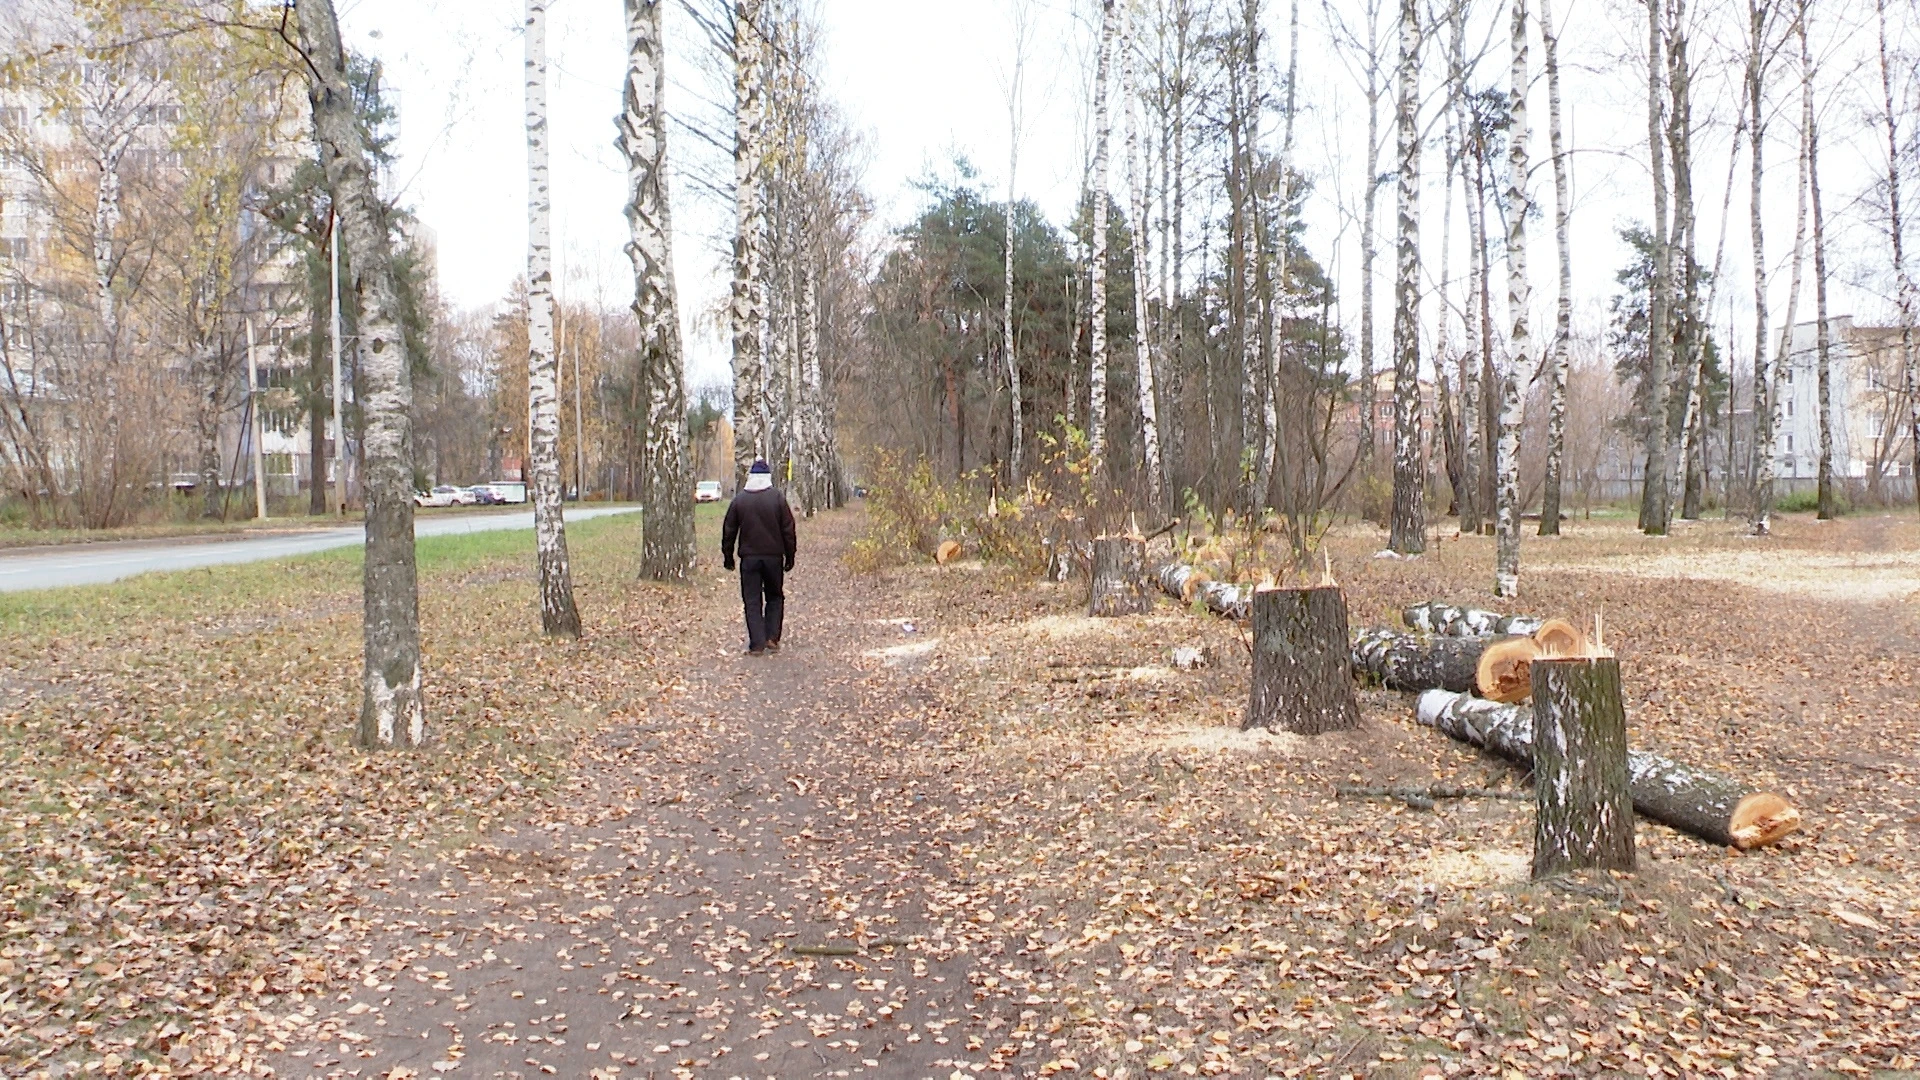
x=1870, y=431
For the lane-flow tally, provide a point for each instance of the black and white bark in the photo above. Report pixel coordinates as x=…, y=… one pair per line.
x=1097, y=256
x=1765, y=386
x=747, y=312
x=1120, y=585
x=1472, y=430
x=1720, y=810
x=558, y=615
x=1144, y=298
x=1513, y=401
x=1583, y=817
x=1654, y=503
x=1302, y=668
x=1823, y=331
x=1905, y=296
x=666, y=476
x=1435, y=617
x=1407, y=534
x=1416, y=662
x=1190, y=585
x=392, y=712
x=1557, y=358
x=1016, y=84
x=1783, y=362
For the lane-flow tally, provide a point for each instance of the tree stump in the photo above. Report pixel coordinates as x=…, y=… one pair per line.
x=1119, y=577
x=1302, y=670
x=1583, y=814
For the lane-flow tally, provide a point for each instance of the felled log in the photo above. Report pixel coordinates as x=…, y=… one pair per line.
x=1714, y=808
x=1423, y=798
x=1190, y=584
x=1583, y=815
x=1434, y=617
x=1416, y=662
x=1503, y=673
x=1119, y=577
x=1495, y=668
x=1302, y=673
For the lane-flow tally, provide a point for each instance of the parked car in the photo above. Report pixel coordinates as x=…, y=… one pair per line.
x=464, y=496
x=441, y=495
x=488, y=495
x=706, y=491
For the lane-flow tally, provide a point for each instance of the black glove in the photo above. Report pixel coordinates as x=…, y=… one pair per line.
x=786, y=564
x=726, y=562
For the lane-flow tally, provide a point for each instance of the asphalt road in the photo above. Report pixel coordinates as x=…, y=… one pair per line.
x=62, y=565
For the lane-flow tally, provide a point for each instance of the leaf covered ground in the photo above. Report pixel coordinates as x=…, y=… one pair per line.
x=955, y=828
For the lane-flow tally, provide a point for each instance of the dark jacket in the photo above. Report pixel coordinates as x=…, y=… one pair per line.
x=761, y=523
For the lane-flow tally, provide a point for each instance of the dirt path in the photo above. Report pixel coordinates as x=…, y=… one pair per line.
x=747, y=881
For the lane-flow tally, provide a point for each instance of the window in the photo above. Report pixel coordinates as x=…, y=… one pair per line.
x=1789, y=444
x=15, y=294
x=1789, y=408
x=14, y=117
x=19, y=335
x=14, y=247
x=278, y=464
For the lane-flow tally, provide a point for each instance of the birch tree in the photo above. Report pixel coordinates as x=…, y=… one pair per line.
x=1563, y=309
x=1472, y=135
x=558, y=615
x=1896, y=233
x=1519, y=295
x=1252, y=411
x=1770, y=360
x=1097, y=255
x=1142, y=276
x=748, y=311
x=1022, y=32
x=392, y=713
x=1828, y=504
x=1654, y=505
x=1408, y=533
x=666, y=478
x=1372, y=62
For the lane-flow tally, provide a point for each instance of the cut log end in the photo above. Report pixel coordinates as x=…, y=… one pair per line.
x=948, y=551
x=1505, y=673
x=1762, y=818
x=1559, y=638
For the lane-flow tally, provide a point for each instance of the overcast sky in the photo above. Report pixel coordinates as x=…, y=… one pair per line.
x=925, y=80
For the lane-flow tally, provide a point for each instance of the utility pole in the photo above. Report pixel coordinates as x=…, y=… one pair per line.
x=253, y=408
x=339, y=429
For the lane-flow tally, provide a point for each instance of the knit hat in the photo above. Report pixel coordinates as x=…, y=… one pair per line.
x=760, y=466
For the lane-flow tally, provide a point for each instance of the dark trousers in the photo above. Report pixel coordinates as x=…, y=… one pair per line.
x=762, y=591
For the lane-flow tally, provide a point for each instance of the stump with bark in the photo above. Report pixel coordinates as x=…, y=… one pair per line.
x=1718, y=809
x=1302, y=672
x=1119, y=577
x=1583, y=816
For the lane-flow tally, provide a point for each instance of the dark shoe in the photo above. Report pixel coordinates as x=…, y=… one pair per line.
x=756, y=652
x=773, y=645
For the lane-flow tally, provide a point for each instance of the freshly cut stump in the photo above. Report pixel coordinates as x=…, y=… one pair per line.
x=1558, y=637
x=1502, y=674
x=1302, y=672
x=1718, y=809
x=948, y=551
x=1119, y=577
x=1583, y=815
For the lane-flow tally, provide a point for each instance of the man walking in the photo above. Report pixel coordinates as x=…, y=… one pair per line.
x=761, y=523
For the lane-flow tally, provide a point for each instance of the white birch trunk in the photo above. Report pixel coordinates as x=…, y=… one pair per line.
x=1369, y=239
x=1764, y=392
x=1017, y=440
x=1896, y=231
x=1143, y=358
x=1277, y=276
x=1253, y=250
x=1408, y=533
x=392, y=713
x=1472, y=430
x=666, y=477
x=558, y=615
x=1653, y=494
x=748, y=310
x=1097, y=257
x=1828, y=502
x=1506, y=576
x=1563, y=311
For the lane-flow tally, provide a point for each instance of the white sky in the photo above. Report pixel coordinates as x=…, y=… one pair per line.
x=924, y=79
